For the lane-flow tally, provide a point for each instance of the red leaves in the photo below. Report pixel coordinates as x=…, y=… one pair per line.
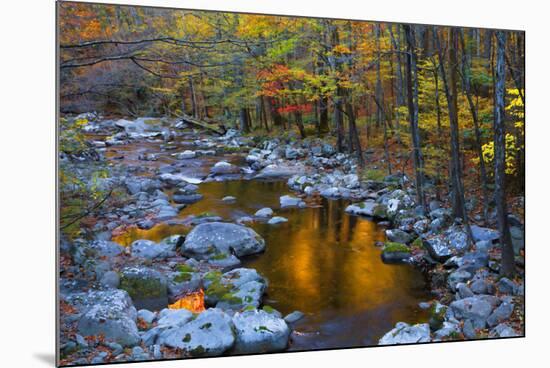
x=304, y=108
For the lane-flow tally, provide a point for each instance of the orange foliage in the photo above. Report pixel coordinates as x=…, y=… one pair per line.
x=193, y=302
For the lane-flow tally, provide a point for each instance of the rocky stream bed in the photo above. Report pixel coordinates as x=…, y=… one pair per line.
x=288, y=248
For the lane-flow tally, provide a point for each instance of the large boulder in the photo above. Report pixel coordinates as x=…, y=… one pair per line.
x=210, y=334
x=110, y=314
x=210, y=239
x=259, y=331
x=246, y=295
x=147, y=287
x=234, y=290
x=404, y=333
x=443, y=246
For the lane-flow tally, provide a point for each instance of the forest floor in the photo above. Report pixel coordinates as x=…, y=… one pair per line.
x=144, y=275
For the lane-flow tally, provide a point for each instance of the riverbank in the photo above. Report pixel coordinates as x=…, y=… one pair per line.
x=146, y=248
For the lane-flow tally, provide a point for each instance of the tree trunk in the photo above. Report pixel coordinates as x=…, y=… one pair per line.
x=466, y=75
x=507, y=261
x=243, y=119
x=412, y=102
x=354, y=133
x=193, y=98
x=459, y=209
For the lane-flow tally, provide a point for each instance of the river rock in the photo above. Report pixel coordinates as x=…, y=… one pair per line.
x=277, y=171
x=264, y=212
x=210, y=334
x=398, y=236
x=503, y=330
x=456, y=277
x=224, y=168
x=146, y=315
x=110, y=279
x=188, y=198
x=248, y=294
x=294, y=317
x=367, y=208
x=475, y=309
x=506, y=286
x=277, y=220
x=150, y=250
x=185, y=155
x=404, y=333
x=260, y=332
x=209, y=239
x=500, y=314
x=472, y=261
x=447, y=331
x=147, y=287
x=290, y=201
x=111, y=315
x=104, y=248
x=484, y=234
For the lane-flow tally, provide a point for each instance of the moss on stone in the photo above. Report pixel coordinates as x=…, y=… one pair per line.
x=417, y=243
x=183, y=277
x=392, y=247
x=217, y=290
x=186, y=338
x=231, y=298
x=268, y=309
x=143, y=287
x=185, y=268
x=199, y=350
x=219, y=256
x=379, y=211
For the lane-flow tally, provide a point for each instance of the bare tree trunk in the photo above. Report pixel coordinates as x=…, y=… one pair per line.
x=193, y=98
x=243, y=119
x=412, y=99
x=507, y=261
x=354, y=133
x=378, y=89
x=466, y=75
x=459, y=209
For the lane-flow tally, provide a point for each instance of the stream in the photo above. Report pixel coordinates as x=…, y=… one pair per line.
x=322, y=262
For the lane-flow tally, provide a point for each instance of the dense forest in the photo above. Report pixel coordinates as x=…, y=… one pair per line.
x=439, y=107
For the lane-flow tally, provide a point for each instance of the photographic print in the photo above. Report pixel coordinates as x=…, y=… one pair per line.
x=233, y=184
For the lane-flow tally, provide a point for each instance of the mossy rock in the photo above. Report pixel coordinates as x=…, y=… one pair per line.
x=437, y=316
x=380, y=212
x=395, y=253
x=147, y=287
x=417, y=243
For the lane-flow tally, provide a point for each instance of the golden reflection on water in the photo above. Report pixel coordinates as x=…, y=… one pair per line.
x=156, y=233
x=322, y=262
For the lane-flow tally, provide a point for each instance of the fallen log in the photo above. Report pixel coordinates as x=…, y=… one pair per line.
x=209, y=125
